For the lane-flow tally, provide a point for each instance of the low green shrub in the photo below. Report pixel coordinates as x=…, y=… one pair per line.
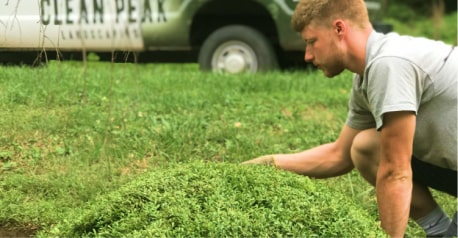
x=199, y=199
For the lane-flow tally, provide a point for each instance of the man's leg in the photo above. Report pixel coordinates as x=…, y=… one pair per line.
x=365, y=153
x=442, y=180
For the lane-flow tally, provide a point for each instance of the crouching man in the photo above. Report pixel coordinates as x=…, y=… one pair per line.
x=401, y=129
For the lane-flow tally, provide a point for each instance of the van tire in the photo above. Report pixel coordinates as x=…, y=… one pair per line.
x=236, y=49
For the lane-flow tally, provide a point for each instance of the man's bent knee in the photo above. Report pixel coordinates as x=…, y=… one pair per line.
x=365, y=152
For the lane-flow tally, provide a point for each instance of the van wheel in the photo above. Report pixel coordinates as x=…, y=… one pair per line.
x=237, y=49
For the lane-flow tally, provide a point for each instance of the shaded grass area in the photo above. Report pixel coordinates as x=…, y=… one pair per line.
x=71, y=134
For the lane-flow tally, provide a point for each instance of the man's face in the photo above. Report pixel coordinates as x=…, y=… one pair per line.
x=322, y=49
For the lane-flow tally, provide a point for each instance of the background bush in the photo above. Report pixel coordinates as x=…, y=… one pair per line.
x=417, y=18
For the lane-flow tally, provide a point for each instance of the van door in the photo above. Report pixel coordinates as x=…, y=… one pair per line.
x=165, y=23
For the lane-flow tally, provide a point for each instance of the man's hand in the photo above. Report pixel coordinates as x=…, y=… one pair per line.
x=262, y=160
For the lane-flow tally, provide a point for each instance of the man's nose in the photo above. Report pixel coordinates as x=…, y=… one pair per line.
x=308, y=56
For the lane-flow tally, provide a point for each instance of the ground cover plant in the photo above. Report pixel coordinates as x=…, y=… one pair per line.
x=198, y=199
x=79, y=136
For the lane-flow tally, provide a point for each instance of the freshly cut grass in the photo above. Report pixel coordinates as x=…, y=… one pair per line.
x=207, y=199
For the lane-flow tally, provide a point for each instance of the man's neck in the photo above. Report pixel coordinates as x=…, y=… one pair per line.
x=357, y=42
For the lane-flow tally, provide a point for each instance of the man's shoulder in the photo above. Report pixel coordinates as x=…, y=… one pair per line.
x=400, y=45
x=398, y=49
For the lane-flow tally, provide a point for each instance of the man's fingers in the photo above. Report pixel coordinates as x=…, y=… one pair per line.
x=263, y=160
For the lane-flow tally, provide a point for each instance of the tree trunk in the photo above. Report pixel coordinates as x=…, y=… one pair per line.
x=438, y=8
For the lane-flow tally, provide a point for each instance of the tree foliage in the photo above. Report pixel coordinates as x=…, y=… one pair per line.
x=416, y=8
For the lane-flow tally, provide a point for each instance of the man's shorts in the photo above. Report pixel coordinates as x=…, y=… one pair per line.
x=435, y=177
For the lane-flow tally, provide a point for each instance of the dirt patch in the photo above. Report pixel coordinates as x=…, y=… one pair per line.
x=19, y=232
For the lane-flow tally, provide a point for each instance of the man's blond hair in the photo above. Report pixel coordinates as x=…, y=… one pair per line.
x=323, y=12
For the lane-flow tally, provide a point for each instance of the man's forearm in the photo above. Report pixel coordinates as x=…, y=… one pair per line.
x=394, y=194
x=320, y=162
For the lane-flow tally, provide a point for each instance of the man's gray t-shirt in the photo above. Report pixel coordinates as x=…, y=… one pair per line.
x=410, y=74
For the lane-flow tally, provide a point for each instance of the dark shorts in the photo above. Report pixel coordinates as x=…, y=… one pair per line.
x=435, y=177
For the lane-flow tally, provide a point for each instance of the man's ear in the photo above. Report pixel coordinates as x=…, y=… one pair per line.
x=339, y=26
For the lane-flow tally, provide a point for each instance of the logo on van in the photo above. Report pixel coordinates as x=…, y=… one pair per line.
x=69, y=12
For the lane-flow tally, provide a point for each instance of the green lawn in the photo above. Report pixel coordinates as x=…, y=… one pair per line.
x=71, y=133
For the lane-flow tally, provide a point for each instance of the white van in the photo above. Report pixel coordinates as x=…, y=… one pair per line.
x=221, y=35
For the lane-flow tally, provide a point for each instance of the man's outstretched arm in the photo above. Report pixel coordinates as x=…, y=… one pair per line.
x=327, y=160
